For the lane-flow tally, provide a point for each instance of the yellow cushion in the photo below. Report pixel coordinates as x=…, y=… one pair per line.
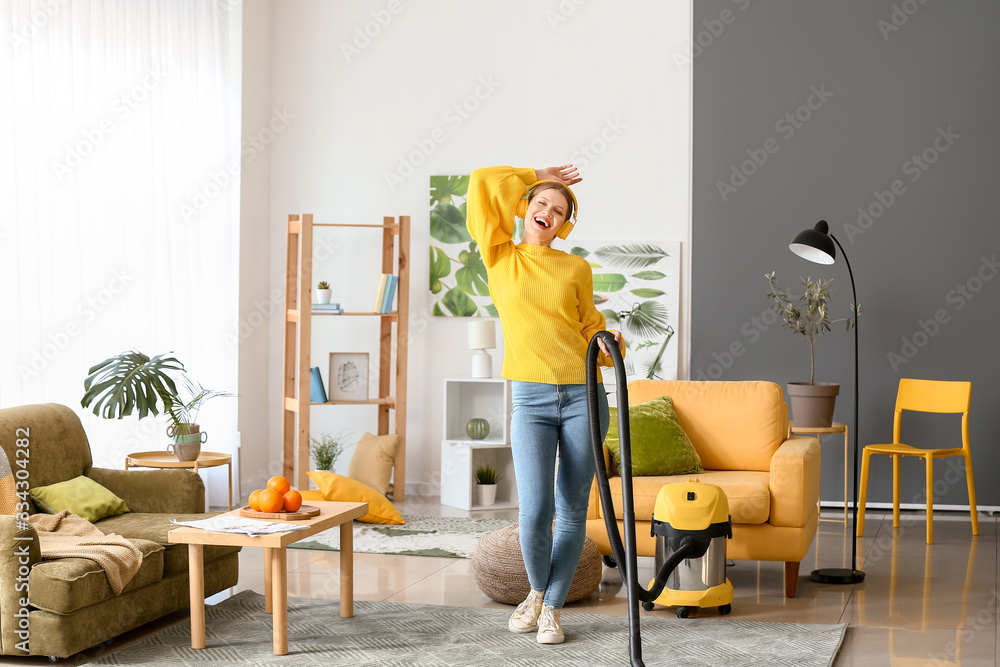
x=747, y=491
x=310, y=495
x=372, y=461
x=344, y=489
x=81, y=496
x=732, y=425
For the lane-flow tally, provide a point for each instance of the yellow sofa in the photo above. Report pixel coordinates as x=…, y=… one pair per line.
x=740, y=430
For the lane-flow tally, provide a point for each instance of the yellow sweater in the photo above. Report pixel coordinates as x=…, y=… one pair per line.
x=545, y=297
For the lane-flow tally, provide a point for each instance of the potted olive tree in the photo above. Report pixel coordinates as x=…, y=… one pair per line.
x=812, y=402
x=133, y=383
x=327, y=448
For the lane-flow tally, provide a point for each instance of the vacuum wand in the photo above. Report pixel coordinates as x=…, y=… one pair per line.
x=625, y=555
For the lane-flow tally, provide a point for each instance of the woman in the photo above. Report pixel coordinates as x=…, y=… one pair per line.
x=545, y=301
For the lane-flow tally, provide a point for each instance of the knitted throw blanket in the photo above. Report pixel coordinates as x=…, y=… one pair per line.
x=66, y=535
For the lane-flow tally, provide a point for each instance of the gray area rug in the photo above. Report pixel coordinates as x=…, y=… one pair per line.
x=443, y=537
x=408, y=635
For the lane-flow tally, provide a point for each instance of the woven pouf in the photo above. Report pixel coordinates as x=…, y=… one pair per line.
x=499, y=568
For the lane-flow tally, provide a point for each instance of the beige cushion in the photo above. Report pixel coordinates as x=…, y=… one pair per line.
x=372, y=461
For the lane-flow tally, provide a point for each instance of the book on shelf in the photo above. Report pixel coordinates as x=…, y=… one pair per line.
x=327, y=308
x=390, y=292
x=317, y=392
x=379, y=293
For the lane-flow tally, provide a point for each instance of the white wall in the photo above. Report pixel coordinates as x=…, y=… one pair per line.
x=542, y=83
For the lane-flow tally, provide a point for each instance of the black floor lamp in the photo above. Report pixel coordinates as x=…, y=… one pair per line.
x=817, y=245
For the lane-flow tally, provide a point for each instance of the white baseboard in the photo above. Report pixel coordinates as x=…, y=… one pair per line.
x=992, y=510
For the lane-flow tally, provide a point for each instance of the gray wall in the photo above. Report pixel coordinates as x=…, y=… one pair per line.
x=897, y=79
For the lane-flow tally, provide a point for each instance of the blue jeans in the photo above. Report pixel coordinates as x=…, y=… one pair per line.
x=548, y=419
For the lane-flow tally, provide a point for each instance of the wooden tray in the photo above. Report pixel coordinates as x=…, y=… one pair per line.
x=304, y=512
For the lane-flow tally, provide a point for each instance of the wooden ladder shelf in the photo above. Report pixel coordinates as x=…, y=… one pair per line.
x=298, y=340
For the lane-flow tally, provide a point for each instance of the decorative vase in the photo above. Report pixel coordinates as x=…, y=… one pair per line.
x=187, y=447
x=477, y=428
x=812, y=404
x=487, y=494
x=323, y=296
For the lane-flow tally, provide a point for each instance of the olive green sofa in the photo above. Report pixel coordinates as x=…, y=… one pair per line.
x=70, y=605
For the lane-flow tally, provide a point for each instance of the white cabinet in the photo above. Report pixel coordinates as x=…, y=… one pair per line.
x=466, y=399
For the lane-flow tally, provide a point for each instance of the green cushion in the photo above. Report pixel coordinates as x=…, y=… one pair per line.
x=81, y=496
x=659, y=444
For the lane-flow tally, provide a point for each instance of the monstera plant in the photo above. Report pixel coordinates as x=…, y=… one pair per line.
x=133, y=383
x=463, y=292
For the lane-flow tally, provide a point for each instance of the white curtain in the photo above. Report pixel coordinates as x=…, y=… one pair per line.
x=119, y=161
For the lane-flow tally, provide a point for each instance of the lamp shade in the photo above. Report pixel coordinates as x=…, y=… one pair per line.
x=482, y=335
x=815, y=244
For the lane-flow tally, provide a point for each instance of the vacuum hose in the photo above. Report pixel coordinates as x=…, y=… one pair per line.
x=625, y=555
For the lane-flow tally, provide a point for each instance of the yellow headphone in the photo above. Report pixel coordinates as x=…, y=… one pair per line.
x=522, y=206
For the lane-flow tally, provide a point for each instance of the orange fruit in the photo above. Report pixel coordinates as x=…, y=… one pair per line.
x=269, y=501
x=279, y=484
x=253, y=500
x=292, y=500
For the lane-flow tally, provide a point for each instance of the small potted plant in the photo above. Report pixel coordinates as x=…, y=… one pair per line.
x=812, y=402
x=323, y=292
x=486, y=484
x=327, y=448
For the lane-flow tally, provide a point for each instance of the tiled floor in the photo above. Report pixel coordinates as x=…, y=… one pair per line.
x=919, y=604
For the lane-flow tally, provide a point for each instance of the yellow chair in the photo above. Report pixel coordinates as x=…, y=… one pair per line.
x=923, y=396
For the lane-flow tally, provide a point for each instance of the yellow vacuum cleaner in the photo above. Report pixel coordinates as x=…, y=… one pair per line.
x=698, y=512
x=691, y=523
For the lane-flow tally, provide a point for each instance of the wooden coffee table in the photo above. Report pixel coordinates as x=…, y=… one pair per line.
x=275, y=568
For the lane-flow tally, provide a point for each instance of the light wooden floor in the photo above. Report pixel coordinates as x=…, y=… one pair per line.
x=919, y=604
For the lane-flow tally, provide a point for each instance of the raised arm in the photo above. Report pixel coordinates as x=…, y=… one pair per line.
x=494, y=193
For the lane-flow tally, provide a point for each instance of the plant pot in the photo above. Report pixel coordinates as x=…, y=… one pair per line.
x=174, y=430
x=486, y=493
x=187, y=447
x=323, y=296
x=812, y=404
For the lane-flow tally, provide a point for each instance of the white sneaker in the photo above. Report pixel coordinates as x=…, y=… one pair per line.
x=549, y=630
x=525, y=617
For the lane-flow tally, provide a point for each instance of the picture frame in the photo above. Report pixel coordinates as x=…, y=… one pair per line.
x=348, y=376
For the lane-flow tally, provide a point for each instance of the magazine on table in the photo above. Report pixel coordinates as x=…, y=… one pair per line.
x=240, y=525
